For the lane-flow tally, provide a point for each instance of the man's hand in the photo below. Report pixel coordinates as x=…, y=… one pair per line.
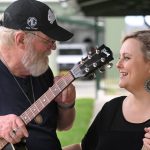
x=67, y=96
x=12, y=128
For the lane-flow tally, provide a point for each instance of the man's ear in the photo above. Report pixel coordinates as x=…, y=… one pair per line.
x=149, y=67
x=19, y=39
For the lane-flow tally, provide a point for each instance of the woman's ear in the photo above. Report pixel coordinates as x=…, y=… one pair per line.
x=19, y=39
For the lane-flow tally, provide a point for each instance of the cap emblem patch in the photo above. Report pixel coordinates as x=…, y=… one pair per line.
x=2, y=17
x=32, y=22
x=51, y=16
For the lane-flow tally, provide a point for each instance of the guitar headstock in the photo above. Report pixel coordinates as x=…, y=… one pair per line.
x=96, y=59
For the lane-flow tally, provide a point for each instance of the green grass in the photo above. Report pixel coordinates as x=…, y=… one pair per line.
x=84, y=110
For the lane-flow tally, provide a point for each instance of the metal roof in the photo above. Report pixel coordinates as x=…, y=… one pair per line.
x=114, y=7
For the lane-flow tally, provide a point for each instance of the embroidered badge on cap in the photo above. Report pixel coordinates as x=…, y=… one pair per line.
x=32, y=22
x=51, y=16
x=2, y=17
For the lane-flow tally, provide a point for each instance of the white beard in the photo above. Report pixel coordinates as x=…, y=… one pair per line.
x=35, y=62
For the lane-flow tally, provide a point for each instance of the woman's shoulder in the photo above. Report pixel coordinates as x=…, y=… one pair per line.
x=115, y=101
x=109, y=110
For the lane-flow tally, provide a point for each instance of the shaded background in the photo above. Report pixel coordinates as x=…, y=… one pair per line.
x=98, y=22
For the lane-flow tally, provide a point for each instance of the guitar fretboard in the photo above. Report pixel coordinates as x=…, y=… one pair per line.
x=46, y=98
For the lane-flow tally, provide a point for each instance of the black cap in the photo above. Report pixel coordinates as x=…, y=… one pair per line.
x=32, y=15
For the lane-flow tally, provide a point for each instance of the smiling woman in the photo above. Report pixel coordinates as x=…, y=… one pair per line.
x=116, y=121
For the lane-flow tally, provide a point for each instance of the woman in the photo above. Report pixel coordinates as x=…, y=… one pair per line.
x=122, y=122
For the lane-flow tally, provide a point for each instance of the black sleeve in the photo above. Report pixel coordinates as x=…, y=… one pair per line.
x=102, y=122
x=90, y=140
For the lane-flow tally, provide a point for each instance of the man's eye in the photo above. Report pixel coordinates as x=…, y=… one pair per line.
x=126, y=58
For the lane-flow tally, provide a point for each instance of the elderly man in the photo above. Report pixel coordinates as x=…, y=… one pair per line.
x=28, y=34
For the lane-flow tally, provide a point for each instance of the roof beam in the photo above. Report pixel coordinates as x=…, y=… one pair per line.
x=91, y=2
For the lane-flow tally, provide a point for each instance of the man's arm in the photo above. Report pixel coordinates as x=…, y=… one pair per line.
x=73, y=147
x=66, y=111
x=66, y=118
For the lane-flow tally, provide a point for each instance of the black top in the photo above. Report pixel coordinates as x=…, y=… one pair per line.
x=13, y=101
x=111, y=131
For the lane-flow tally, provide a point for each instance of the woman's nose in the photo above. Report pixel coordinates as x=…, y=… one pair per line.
x=118, y=64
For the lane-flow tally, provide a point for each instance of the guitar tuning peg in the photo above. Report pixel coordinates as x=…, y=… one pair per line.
x=89, y=52
x=94, y=64
x=101, y=70
x=97, y=51
x=102, y=59
x=109, y=65
x=89, y=56
x=91, y=76
x=82, y=61
x=87, y=69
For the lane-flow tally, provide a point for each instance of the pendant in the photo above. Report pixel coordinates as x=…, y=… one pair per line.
x=38, y=119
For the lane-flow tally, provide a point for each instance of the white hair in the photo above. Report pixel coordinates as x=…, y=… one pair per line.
x=7, y=36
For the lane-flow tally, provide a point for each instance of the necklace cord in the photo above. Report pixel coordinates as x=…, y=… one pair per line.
x=20, y=87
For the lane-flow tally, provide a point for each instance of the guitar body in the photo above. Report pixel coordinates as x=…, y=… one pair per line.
x=15, y=147
x=9, y=147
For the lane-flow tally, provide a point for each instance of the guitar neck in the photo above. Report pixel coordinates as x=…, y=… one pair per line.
x=43, y=101
x=46, y=98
